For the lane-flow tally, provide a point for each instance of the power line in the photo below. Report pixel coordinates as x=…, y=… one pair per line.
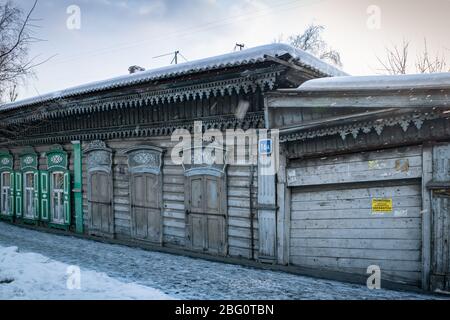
x=189, y=31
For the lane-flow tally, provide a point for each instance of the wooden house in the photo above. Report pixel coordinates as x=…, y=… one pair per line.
x=343, y=173
x=97, y=159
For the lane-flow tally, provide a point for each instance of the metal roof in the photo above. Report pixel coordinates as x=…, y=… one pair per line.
x=379, y=82
x=244, y=57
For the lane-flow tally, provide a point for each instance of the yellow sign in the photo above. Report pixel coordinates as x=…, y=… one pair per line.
x=381, y=205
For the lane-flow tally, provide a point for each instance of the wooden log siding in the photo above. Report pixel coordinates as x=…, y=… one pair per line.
x=174, y=225
x=332, y=223
x=240, y=210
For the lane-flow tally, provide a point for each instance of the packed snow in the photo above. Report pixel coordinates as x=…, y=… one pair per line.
x=408, y=82
x=38, y=269
x=33, y=276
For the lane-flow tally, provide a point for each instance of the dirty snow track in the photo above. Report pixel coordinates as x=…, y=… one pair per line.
x=184, y=277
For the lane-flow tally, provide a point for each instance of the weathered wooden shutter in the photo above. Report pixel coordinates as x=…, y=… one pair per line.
x=45, y=195
x=11, y=193
x=440, y=240
x=67, y=197
x=36, y=195
x=18, y=194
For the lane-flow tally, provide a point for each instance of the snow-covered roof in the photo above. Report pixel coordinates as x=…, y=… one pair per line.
x=247, y=56
x=395, y=82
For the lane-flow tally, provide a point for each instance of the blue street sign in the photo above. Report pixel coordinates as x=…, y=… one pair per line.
x=265, y=146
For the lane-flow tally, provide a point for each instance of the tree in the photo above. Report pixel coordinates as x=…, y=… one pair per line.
x=312, y=42
x=16, y=35
x=397, y=60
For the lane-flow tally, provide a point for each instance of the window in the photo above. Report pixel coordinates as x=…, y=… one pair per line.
x=5, y=199
x=57, y=197
x=29, y=195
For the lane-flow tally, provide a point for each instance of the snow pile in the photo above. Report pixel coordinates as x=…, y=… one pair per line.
x=33, y=276
x=399, y=82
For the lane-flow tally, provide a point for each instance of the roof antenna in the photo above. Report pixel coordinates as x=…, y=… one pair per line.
x=240, y=46
x=175, y=58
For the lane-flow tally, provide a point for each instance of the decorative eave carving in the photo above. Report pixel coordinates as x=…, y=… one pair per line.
x=63, y=108
x=356, y=129
x=252, y=120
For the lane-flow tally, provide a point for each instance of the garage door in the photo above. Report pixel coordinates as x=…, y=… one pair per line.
x=353, y=211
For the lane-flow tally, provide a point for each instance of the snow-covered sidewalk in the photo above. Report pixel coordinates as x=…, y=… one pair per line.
x=38, y=269
x=33, y=276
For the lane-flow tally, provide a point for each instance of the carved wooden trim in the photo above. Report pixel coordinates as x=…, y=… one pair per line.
x=265, y=81
x=6, y=161
x=358, y=128
x=145, y=159
x=254, y=120
x=204, y=166
x=99, y=157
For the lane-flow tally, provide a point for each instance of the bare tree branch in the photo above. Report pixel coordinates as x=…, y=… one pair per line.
x=16, y=35
x=21, y=32
x=397, y=60
x=312, y=42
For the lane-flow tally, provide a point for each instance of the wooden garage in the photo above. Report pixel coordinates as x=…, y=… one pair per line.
x=364, y=177
x=335, y=221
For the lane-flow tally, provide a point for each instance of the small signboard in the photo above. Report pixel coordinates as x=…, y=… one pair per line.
x=265, y=146
x=382, y=205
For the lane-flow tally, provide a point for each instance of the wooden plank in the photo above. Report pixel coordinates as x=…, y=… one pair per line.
x=239, y=222
x=170, y=196
x=297, y=178
x=427, y=176
x=358, y=192
x=408, y=234
x=173, y=205
x=386, y=244
x=238, y=202
x=239, y=252
x=397, y=203
x=356, y=253
x=176, y=232
x=342, y=263
x=238, y=232
x=393, y=223
x=384, y=165
x=383, y=154
x=176, y=214
x=409, y=212
x=175, y=223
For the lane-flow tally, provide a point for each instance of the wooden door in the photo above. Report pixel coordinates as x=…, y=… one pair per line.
x=100, y=207
x=206, y=214
x=146, y=207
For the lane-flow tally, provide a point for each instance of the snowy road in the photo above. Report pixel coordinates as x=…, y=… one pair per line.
x=182, y=277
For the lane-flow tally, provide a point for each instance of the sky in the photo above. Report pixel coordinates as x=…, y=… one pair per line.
x=108, y=36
